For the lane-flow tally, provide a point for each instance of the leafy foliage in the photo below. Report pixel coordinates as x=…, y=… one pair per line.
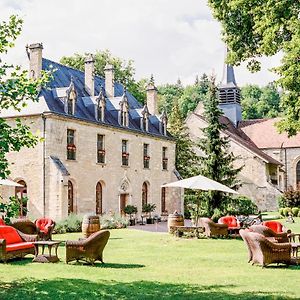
x=113, y=221
x=70, y=224
x=11, y=209
x=241, y=206
x=252, y=29
x=148, y=208
x=290, y=198
x=217, y=160
x=124, y=70
x=16, y=89
x=130, y=210
x=260, y=102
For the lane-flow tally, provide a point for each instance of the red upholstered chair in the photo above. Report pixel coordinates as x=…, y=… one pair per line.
x=46, y=226
x=274, y=225
x=2, y=222
x=231, y=221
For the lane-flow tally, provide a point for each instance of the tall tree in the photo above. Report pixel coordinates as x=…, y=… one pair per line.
x=260, y=102
x=186, y=159
x=252, y=29
x=124, y=70
x=217, y=161
x=16, y=90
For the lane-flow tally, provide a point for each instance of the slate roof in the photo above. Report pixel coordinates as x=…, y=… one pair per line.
x=240, y=137
x=264, y=134
x=85, y=109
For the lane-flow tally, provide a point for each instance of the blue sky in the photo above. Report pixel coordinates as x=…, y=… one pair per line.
x=169, y=38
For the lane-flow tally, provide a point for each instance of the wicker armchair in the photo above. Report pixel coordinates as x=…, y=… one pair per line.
x=212, y=228
x=269, y=233
x=45, y=226
x=89, y=249
x=264, y=252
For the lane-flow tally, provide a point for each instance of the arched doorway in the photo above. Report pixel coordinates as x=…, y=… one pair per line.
x=21, y=194
x=70, y=197
x=144, y=193
x=99, y=198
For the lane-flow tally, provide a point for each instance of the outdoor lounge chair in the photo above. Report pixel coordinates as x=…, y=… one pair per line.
x=212, y=228
x=269, y=233
x=45, y=226
x=232, y=222
x=274, y=225
x=25, y=226
x=89, y=249
x=264, y=252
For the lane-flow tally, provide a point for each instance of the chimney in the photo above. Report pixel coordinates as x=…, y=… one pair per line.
x=109, y=80
x=89, y=75
x=35, y=55
x=152, y=97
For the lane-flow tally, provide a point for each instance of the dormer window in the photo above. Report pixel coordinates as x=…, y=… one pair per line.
x=163, y=123
x=100, y=106
x=70, y=101
x=145, y=118
x=124, y=114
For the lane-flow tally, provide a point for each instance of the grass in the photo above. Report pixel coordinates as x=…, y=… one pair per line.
x=145, y=265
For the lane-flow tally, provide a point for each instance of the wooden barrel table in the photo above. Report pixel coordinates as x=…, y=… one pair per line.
x=90, y=224
x=175, y=220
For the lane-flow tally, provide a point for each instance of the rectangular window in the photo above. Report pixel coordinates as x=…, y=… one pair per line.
x=71, y=148
x=100, y=149
x=163, y=200
x=125, y=154
x=146, y=156
x=164, y=158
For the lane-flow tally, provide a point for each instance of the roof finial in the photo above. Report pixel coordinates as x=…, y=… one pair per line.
x=151, y=79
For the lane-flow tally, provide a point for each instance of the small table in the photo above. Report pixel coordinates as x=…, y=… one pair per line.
x=46, y=258
x=295, y=251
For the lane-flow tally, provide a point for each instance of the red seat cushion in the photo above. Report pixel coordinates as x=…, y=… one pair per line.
x=10, y=234
x=274, y=225
x=231, y=221
x=43, y=224
x=19, y=246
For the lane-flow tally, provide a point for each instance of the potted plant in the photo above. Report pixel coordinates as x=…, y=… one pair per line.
x=149, y=208
x=130, y=210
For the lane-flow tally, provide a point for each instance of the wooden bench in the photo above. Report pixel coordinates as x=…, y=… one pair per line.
x=179, y=231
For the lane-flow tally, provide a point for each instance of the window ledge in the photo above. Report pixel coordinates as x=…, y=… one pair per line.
x=73, y=160
x=125, y=167
x=101, y=164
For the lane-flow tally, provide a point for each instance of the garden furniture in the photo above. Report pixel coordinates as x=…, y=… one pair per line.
x=25, y=226
x=89, y=249
x=14, y=243
x=232, y=222
x=42, y=257
x=264, y=252
x=212, y=229
x=269, y=233
x=45, y=226
x=274, y=225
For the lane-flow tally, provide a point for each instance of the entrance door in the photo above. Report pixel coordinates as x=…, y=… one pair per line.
x=123, y=203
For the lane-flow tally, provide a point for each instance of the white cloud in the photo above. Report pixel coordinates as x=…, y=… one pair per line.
x=170, y=39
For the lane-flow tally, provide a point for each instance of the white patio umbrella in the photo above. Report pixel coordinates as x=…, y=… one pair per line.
x=201, y=183
x=8, y=182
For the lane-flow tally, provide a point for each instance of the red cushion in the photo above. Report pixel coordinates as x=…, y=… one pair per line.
x=2, y=222
x=10, y=234
x=19, y=246
x=274, y=225
x=231, y=221
x=43, y=224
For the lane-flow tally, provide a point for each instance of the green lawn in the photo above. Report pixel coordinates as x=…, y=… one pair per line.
x=145, y=265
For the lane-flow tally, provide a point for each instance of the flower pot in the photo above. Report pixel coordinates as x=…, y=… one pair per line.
x=132, y=222
x=150, y=221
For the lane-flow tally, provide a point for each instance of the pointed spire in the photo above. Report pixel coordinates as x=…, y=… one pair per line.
x=151, y=79
x=71, y=87
x=228, y=73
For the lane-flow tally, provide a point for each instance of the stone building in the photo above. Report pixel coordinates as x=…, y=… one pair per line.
x=271, y=160
x=101, y=149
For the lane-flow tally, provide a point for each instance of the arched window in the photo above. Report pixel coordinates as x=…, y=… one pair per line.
x=99, y=198
x=144, y=193
x=163, y=200
x=70, y=197
x=298, y=174
x=21, y=194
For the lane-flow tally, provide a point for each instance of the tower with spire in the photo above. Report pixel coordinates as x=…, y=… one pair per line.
x=230, y=96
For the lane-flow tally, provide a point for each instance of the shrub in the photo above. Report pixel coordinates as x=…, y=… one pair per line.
x=281, y=211
x=291, y=198
x=217, y=215
x=130, y=210
x=295, y=211
x=70, y=224
x=241, y=206
x=286, y=211
x=113, y=221
x=282, y=202
x=148, y=208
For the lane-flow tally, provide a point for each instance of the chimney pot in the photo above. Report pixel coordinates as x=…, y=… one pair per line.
x=152, y=97
x=109, y=80
x=89, y=74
